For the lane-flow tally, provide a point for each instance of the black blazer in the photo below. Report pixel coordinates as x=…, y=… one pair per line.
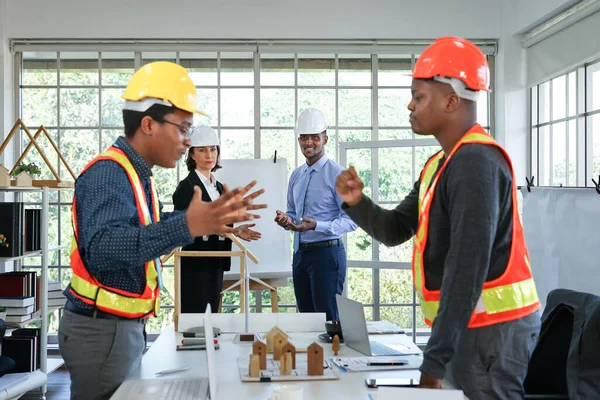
x=181, y=200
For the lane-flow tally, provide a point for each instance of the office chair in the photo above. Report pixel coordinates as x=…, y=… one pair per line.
x=565, y=362
x=547, y=372
x=589, y=358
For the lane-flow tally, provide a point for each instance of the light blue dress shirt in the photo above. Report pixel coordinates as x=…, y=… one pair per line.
x=322, y=202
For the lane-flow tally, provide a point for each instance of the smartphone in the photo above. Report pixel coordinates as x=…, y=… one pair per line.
x=400, y=382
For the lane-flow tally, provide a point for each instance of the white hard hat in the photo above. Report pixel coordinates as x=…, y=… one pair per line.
x=310, y=121
x=203, y=135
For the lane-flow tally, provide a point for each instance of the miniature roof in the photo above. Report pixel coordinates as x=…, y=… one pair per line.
x=33, y=142
x=315, y=345
x=276, y=330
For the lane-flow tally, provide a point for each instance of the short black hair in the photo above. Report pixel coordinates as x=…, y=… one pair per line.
x=190, y=163
x=133, y=119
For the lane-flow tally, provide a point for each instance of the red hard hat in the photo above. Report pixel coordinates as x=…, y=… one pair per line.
x=452, y=57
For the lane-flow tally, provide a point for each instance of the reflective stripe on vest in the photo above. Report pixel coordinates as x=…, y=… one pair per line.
x=511, y=296
x=112, y=300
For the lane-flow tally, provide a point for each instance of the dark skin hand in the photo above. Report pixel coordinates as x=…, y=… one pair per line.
x=282, y=219
x=308, y=224
x=209, y=218
x=430, y=382
x=244, y=232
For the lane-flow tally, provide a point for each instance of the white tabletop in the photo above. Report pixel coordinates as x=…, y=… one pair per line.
x=351, y=385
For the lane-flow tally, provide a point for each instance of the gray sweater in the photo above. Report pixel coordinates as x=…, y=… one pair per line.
x=469, y=239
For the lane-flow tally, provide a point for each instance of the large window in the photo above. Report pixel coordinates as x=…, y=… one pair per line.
x=253, y=100
x=565, y=128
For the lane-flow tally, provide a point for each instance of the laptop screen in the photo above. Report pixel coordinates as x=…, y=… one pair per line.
x=210, y=354
x=354, y=324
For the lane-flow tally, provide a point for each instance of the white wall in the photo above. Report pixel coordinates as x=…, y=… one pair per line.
x=259, y=19
x=512, y=101
x=511, y=96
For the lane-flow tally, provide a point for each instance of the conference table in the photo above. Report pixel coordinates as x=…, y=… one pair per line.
x=351, y=385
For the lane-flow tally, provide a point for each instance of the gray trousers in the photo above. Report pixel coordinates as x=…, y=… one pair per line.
x=99, y=353
x=491, y=362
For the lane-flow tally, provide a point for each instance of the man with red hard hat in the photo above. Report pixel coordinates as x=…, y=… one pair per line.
x=470, y=266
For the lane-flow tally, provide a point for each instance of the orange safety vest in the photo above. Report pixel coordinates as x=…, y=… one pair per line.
x=511, y=296
x=109, y=299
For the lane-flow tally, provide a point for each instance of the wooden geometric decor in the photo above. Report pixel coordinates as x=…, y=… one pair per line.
x=56, y=183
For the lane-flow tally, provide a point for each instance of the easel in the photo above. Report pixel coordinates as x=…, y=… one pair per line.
x=244, y=277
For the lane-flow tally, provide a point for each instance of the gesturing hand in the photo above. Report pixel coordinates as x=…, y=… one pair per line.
x=244, y=232
x=430, y=382
x=349, y=186
x=213, y=217
x=308, y=224
x=282, y=219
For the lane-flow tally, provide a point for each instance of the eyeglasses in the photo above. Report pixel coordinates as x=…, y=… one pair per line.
x=185, y=130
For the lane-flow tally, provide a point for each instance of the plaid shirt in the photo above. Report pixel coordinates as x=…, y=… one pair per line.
x=113, y=243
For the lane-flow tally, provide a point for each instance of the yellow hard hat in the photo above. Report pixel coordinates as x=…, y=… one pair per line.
x=161, y=82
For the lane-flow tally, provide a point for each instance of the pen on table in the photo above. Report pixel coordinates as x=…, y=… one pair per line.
x=386, y=363
x=196, y=335
x=195, y=341
x=193, y=334
x=173, y=371
x=181, y=347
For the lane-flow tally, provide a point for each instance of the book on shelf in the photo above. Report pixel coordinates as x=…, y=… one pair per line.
x=17, y=319
x=30, y=333
x=16, y=301
x=10, y=311
x=21, y=227
x=18, y=293
x=56, y=294
x=22, y=350
x=23, y=346
x=54, y=285
x=11, y=215
x=18, y=283
x=33, y=218
x=57, y=302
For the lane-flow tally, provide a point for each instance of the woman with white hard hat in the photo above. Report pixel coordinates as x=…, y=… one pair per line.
x=202, y=277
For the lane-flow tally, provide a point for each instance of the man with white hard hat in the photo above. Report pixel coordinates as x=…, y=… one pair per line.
x=314, y=214
x=202, y=277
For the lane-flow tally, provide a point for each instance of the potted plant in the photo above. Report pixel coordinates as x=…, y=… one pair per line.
x=31, y=168
x=3, y=313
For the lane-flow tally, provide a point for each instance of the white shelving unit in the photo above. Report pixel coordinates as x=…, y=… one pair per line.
x=47, y=365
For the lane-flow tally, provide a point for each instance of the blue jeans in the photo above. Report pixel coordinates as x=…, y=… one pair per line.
x=319, y=274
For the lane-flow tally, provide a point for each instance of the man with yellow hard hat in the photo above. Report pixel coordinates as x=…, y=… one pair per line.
x=120, y=232
x=470, y=267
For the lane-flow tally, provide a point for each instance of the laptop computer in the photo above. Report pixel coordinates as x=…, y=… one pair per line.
x=176, y=388
x=356, y=336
